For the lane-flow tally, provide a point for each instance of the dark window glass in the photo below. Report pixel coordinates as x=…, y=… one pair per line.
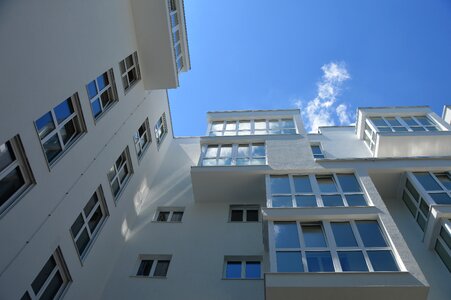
x=6, y=155
x=144, y=267
x=162, y=268
x=163, y=216
x=283, y=201
x=313, y=235
x=53, y=287
x=233, y=269
x=92, y=89
x=52, y=148
x=95, y=219
x=445, y=179
x=236, y=215
x=252, y=215
x=371, y=234
x=412, y=190
x=302, y=184
x=306, y=201
x=280, y=185
x=177, y=216
x=349, y=183
x=82, y=241
x=253, y=269
x=352, y=261
x=102, y=81
x=289, y=262
x=319, y=261
x=26, y=296
x=10, y=184
x=332, y=200
x=446, y=237
x=43, y=274
x=45, y=125
x=68, y=131
x=63, y=110
x=91, y=203
x=356, y=200
x=344, y=237
x=326, y=184
x=78, y=224
x=382, y=260
x=286, y=235
x=427, y=181
x=443, y=254
x=441, y=198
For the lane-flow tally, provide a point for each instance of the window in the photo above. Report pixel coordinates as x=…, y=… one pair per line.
x=88, y=223
x=236, y=155
x=239, y=267
x=403, y=124
x=345, y=246
x=244, y=213
x=119, y=173
x=443, y=244
x=173, y=16
x=317, y=151
x=51, y=281
x=314, y=191
x=161, y=129
x=142, y=138
x=15, y=173
x=153, y=265
x=250, y=127
x=437, y=187
x=169, y=214
x=130, y=73
x=59, y=128
x=102, y=93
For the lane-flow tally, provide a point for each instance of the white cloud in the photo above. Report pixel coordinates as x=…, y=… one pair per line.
x=323, y=109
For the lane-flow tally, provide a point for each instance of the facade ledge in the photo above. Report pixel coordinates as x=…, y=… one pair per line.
x=319, y=213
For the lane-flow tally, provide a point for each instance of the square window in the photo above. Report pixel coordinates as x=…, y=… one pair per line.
x=169, y=214
x=242, y=267
x=59, y=128
x=244, y=213
x=102, y=93
x=153, y=265
x=130, y=73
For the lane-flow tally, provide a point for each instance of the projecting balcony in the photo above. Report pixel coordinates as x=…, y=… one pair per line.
x=162, y=41
x=404, y=132
x=352, y=285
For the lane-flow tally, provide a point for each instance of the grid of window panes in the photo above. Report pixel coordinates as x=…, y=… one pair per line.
x=51, y=280
x=161, y=129
x=142, y=138
x=119, y=173
x=88, y=222
x=244, y=213
x=315, y=191
x=15, y=173
x=175, y=29
x=252, y=127
x=169, y=214
x=404, y=124
x=242, y=268
x=370, y=135
x=317, y=151
x=129, y=68
x=443, y=244
x=153, y=266
x=102, y=93
x=234, y=155
x=341, y=246
x=58, y=128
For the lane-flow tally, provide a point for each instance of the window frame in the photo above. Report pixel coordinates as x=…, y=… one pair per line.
x=155, y=259
x=403, y=124
x=117, y=170
x=319, y=155
x=234, y=154
x=161, y=124
x=114, y=95
x=94, y=234
x=124, y=70
x=61, y=267
x=20, y=162
x=445, y=229
x=243, y=261
x=244, y=209
x=79, y=125
x=138, y=138
x=171, y=210
x=252, y=129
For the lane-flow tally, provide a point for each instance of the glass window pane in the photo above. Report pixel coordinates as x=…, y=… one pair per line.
x=144, y=267
x=352, y=261
x=274, y=124
x=26, y=296
x=371, y=234
x=443, y=254
x=258, y=161
x=82, y=241
x=393, y=121
x=177, y=216
x=212, y=151
x=356, y=200
x=378, y=122
x=258, y=150
x=92, y=89
x=424, y=207
x=282, y=201
x=226, y=151
x=313, y=235
x=289, y=262
x=421, y=221
x=253, y=269
x=209, y=162
x=280, y=185
x=217, y=126
x=6, y=155
x=68, y=131
x=161, y=268
x=349, y=183
x=102, y=81
x=244, y=125
x=424, y=120
x=95, y=219
x=343, y=234
x=96, y=108
x=63, y=110
x=260, y=124
x=224, y=162
x=231, y=125
x=287, y=123
x=302, y=184
x=412, y=190
x=53, y=287
x=45, y=125
x=382, y=260
x=236, y=215
x=163, y=216
x=326, y=184
x=410, y=205
x=252, y=215
x=446, y=237
x=319, y=261
x=445, y=179
x=427, y=181
x=78, y=224
x=410, y=121
x=316, y=149
x=242, y=161
x=233, y=269
x=52, y=148
x=441, y=198
x=286, y=235
x=43, y=274
x=9, y=184
x=332, y=200
x=306, y=201
x=243, y=151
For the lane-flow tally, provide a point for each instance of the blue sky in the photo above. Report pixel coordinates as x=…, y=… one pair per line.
x=326, y=57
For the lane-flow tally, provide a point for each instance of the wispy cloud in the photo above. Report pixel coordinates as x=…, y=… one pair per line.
x=323, y=109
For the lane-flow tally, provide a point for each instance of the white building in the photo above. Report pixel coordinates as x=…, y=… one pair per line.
x=98, y=199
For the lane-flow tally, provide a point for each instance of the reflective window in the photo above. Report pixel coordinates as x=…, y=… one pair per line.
x=242, y=267
x=244, y=213
x=251, y=127
x=443, y=244
x=130, y=73
x=153, y=265
x=119, y=173
x=352, y=261
x=234, y=154
x=319, y=261
x=344, y=237
x=289, y=262
x=286, y=235
x=161, y=129
x=313, y=235
x=169, y=214
x=102, y=93
x=317, y=151
x=142, y=138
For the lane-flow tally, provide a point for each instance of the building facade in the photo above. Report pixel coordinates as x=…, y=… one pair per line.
x=99, y=200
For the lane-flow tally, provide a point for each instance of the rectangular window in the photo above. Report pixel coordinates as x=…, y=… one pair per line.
x=142, y=138
x=252, y=127
x=161, y=129
x=89, y=221
x=315, y=191
x=130, y=73
x=443, y=244
x=59, y=128
x=242, y=267
x=119, y=173
x=234, y=155
x=404, y=124
x=317, y=151
x=323, y=246
x=244, y=213
x=15, y=172
x=51, y=281
x=102, y=93
x=169, y=214
x=153, y=265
